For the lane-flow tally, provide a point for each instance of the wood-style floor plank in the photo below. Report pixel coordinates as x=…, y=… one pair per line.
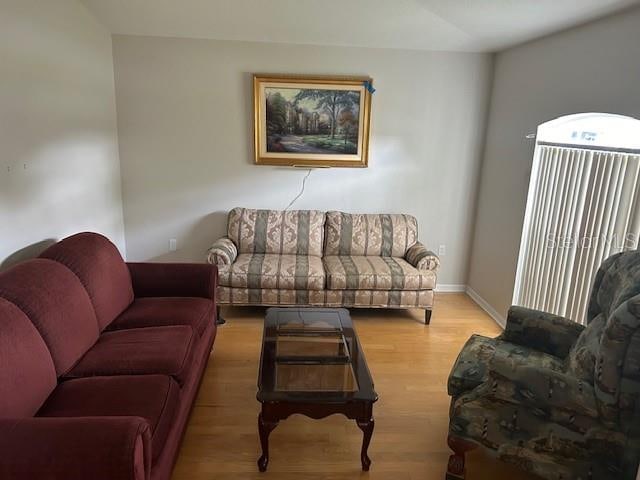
x=409, y=362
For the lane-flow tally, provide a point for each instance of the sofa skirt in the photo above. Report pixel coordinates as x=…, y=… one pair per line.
x=326, y=298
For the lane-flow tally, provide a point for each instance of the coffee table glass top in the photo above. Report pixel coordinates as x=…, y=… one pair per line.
x=311, y=354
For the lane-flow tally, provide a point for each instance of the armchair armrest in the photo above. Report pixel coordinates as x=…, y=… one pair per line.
x=541, y=331
x=174, y=279
x=420, y=257
x=222, y=252
x=99, y=448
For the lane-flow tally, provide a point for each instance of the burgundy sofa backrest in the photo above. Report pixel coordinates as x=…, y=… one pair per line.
x=100, y=267
x=27, y=376
x=57, y=304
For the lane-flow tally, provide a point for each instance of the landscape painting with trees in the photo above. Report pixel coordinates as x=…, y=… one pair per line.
x=311, y=123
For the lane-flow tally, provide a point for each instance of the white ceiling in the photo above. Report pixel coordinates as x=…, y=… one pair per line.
x=454, y=25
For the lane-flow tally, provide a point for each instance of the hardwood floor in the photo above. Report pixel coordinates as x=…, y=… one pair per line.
x=409, y=363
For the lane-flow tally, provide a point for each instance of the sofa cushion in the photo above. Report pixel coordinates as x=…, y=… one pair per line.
x=58, y=306
x=295, y=232
x=370, y=234
x=152, y=397
x=27, y=374
x=100, y=267
x=326, y=298
x=375, y=273
x=166, y=311
x=139, y=351
x=295, y=272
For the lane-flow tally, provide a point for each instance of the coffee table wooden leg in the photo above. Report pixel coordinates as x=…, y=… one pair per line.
x=367, y=429
x=265, y=427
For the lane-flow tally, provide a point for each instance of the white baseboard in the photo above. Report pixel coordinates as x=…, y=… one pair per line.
x=456, y=288
x=450, y=288
x=493, y=313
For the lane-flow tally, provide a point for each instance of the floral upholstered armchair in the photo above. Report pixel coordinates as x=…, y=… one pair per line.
x=555, y=398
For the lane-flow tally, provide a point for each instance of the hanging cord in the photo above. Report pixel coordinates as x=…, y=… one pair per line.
x=304, y=181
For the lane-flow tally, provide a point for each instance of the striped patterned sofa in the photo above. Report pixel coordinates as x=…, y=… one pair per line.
x=335, y=259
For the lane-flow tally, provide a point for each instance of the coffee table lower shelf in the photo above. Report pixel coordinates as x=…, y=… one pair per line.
x=273, y=412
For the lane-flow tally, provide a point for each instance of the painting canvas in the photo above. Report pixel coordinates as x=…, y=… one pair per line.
x=306, y=121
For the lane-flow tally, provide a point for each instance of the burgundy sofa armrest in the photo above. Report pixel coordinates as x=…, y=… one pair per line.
x=74, y=448
x=174, y=279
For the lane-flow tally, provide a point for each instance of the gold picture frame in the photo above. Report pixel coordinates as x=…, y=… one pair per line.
x=311, y=121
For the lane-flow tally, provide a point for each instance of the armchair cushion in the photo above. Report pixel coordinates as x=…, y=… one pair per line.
x=222, y=252
x=174, y=279
x=422, y=258
x=99, y=448
x=540, y=385
x=152, y=397
x=481, y=356
x=528, y=377
x=541, y=331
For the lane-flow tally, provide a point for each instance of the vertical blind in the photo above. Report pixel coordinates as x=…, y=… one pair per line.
x=583, y=206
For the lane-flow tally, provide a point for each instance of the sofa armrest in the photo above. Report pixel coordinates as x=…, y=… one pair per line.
x=73, y=448
x=174, y=279
x=420, y=257
x=222, y=252
x=541, y=331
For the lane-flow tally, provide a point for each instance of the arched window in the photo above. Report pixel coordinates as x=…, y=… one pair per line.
x=583, y=206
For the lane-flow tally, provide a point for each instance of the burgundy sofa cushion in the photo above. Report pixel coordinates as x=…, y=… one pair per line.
x=100, y=267
x=27, y=374
x=105, y=448
x=140, y=351
x=58, y=306
x=163, y=311
x=152, y=397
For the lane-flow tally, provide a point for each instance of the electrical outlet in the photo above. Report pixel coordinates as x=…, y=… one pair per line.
x=442, y=251
x=173, y=244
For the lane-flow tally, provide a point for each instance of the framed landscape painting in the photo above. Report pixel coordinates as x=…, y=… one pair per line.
x=312, y=121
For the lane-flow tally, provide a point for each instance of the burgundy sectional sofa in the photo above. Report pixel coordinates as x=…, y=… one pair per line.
x=100, y=362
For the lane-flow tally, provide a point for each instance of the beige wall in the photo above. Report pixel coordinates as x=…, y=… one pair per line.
x=59, y=167
x=185, y=131
x=594, y=68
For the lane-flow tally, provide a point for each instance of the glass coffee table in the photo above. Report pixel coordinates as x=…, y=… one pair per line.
x=312, y=364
